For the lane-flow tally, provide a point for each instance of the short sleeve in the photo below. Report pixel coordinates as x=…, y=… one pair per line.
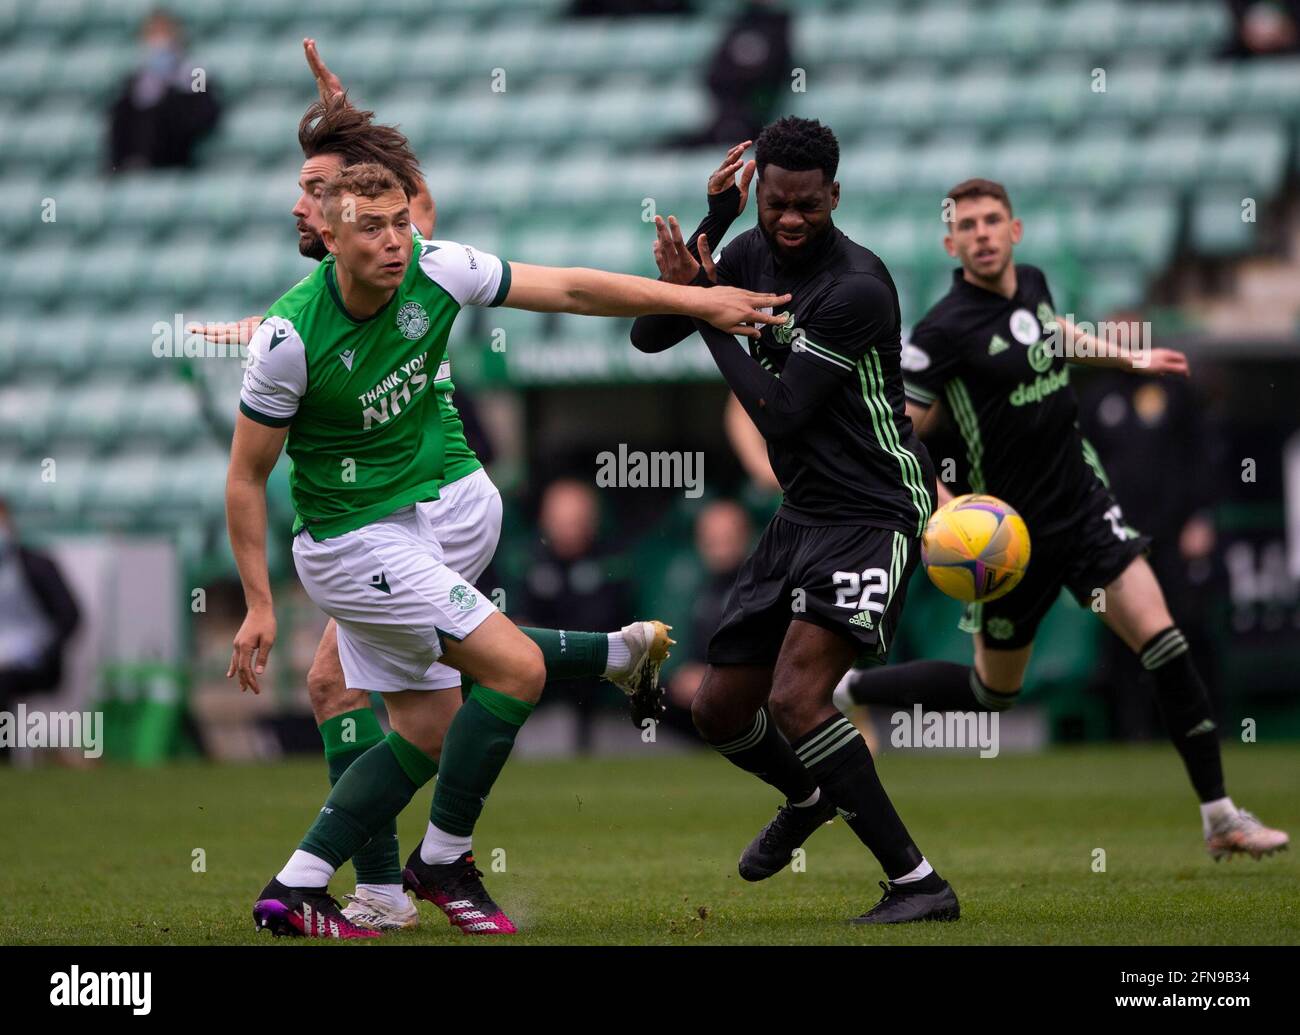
x=929, y=360
x=276, y=376
x=469, y=275
x=860, y=313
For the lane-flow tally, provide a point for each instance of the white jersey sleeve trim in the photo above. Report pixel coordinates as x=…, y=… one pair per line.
x=276, y=376
x=471, y=276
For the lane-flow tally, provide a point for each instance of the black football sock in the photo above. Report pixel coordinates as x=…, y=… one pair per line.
x=762, y=750
x=940, y=686
x=840, y=761
x=1185, y=705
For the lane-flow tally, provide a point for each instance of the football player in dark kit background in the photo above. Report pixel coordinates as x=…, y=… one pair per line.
x=826, y=583
x=995, y=351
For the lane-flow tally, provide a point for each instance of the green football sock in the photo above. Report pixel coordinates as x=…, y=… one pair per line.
x=378, y=861
x=476, y=748
x=571, y=655
x=367, y=798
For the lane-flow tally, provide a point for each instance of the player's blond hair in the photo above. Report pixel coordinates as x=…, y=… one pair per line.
x=365, y=180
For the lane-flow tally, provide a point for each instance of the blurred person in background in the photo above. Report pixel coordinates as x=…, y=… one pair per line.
x=166, y=106
x=723, y=534
x=608, y=8
x=1264, y=27
x=1154, y=442
x=746, y=73
x=38, y=616
x=569, y=583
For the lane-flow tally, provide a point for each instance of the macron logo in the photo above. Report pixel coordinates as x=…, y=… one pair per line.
x=93, y=988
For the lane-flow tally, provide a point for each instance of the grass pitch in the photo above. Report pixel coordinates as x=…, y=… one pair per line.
x=643, y=851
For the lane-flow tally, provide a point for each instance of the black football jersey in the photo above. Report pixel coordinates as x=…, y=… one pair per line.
x=988, y=359
x=858, y=460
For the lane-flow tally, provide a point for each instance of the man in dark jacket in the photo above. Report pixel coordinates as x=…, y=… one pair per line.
x=37, y=618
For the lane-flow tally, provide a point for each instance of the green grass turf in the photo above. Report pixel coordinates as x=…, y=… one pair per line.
x=643, y=851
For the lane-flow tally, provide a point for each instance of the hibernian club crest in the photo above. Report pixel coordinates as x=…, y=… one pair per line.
x=412, y=321
x=464, y=598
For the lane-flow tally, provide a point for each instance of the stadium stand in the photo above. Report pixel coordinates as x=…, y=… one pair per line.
x=921, y=94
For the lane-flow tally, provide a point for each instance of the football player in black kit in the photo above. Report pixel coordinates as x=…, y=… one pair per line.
x=995, y=352
x=825, y=584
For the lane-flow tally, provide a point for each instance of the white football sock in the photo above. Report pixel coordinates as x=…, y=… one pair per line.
x=439, y=846
x=619, y=655
x=1214, y=813
x=812, y=799
x=840, y=695
x=923, y=870
x=391, y=895
x=304, y=870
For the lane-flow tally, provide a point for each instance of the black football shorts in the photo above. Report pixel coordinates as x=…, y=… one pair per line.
x=1084, y=557
x=850, y=579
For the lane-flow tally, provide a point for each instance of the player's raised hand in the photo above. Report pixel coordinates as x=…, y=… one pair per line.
x=253, y=645
x=676, y=263
x=724, y=176
x=326, y=81
x=738, y=311
x=231, y=332
x=1166, y=361
x=706, y=257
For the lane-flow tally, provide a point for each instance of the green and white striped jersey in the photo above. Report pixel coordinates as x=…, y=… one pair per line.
x=364, y=400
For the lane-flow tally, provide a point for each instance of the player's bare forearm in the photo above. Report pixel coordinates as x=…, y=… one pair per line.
x=246, y=526
x=589, y=292
x=253, y=454
x=1089, y=350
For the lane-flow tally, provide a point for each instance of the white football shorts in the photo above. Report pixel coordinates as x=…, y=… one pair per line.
x=396, y=585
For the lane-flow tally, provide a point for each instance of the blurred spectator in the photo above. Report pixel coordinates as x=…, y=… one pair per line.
x=607, y=8
x=722, y=540
x=1154, y=443
x=747, y=73
x=37, y=618
x=570, y=586
x=1263, y=27
x=166, y=105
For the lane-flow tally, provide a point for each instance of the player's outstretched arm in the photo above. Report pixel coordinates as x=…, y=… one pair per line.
x=588, y=292
x=1090, y=350
x=253, y=454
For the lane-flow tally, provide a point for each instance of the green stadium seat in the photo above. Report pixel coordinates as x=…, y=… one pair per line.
x=1217, y=226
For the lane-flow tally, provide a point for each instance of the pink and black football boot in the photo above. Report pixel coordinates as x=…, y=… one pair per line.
x=457, y=889
x=303, y=913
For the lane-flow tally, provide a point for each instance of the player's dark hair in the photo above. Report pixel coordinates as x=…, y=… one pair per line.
x=978, y=188
x=798, y=144
x=365, y=180
x=337, y=127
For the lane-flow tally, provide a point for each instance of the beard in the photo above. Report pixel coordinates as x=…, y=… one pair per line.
x=313, y=248
x=796, y=256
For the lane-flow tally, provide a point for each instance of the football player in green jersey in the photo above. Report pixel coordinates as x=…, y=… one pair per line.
x=340, y=374
x=466, y=519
